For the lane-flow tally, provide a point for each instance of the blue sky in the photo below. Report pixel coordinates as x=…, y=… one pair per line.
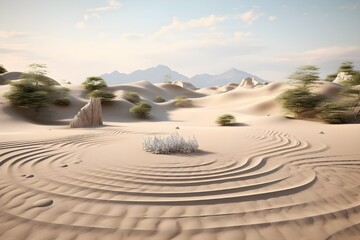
x=80, y=38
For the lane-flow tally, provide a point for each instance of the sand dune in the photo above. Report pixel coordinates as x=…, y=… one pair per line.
x=150, y=91
x=268, y=178
x=7, y=77
x=186, y=85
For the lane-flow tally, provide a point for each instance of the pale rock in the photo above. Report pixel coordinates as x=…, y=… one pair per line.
x=186, y=85
x=43, y=203
x=342, y=77
x=89, y=115
x=249, y=82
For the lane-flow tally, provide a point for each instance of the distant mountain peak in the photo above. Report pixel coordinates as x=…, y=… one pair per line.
x=152, y=74
x=233, y=70
x=160, y=66
x=158, y=73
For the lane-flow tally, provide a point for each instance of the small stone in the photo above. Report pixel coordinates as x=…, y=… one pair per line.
x=43, y=203
x=29, y=176
x=321, y=132
x=177, y=128
x=64, y=166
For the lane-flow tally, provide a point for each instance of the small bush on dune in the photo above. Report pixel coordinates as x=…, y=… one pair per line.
x=35, y=91
x=345, y=108
x=334, y=113
x=182, y=101
x=2, y=69
x=132, y=97
x=94, y=83
x=299, y=101
x=225, y=120
x=61, y=98
x=141, y=110
x=170, y=144
x=105, y=97
x=62, y=102
x=159, y=99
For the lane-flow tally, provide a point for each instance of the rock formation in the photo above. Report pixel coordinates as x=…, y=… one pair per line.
x=342, y=77
x=89, y=115
x=186, y=85
x=249, y=82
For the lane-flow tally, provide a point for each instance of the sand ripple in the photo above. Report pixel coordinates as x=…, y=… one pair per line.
x=277, y=186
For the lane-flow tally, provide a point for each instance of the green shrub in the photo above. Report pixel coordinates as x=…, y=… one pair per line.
x=25, y=94
x=305, y=75
x=62, y=102
x=334, y=112
x=2, y=69
x=94, y=83
x=160, y=99
x=182, y=101
x=299, y=101
x=354, y=80
x=35, y=91
x=104, y=96
x=225, y=120
x=141, y=109
x=132, y=97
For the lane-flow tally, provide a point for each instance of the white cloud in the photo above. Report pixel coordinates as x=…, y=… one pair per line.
x=242, y=35
x=250, y=17
x=349, y=7
x=210, y=43
x=323, y=55
x=272, y=18
x=12, y=34
x=133, y=36
x=204, y=22
x=114, y=3
x=111, y=5
x=101, y=35
x=80, y=25
x=94, y=12
x=87, y=17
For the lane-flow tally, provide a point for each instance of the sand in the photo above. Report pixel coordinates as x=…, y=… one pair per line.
x=269, y=177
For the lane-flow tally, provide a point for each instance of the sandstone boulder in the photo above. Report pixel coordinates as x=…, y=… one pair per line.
x=89, y=116
x=250, y=82
x=342, y=77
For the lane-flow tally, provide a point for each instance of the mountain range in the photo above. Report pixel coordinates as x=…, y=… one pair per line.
x=163, y=73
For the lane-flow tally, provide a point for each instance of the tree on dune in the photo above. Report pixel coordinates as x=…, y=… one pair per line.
x=305, y=75
x=94, y=83
x=347, y=67
x=2, y=69
x=331, y=77
x=299, y=100
x=302, y=102
x=35, y=91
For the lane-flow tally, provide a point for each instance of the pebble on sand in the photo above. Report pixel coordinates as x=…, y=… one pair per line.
x=43, y=203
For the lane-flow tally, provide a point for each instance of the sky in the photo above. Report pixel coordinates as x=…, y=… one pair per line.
x=82, y=38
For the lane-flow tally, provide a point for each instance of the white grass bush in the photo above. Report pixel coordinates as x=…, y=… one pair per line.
x=170, y=144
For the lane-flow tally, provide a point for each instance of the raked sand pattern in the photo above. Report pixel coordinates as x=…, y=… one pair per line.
x=91, y=186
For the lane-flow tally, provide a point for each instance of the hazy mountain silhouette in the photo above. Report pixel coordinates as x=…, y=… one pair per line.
x=153, y=75
x=231, y=76
x=160, y=73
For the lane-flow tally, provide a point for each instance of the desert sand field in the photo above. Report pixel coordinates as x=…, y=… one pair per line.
x=268, y=177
